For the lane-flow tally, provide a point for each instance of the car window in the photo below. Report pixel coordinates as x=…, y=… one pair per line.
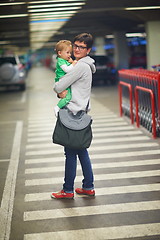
x=7, y=60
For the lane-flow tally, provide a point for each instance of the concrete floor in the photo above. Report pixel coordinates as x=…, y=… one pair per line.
x=126, y=163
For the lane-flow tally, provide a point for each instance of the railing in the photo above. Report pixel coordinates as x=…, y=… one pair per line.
x=148, y=107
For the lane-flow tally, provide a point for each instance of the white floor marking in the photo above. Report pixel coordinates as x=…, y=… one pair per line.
x=62, y=160
x=49, y=133
x=99, y=177
x=48, y=139
x=114, y=155
x=9, y=189
x=33, y=120
x=98, y=129
x=91, y=210
x=95, y=134
x=117, y=155
x=95, y=166
x=120, y=232
x=4, y=160
x=95, y=141
x=45, y=196
x=44, y=160
x=23, y=98
x=111, y=134
x=51, y=150
x=51, y=123
x=121, y=139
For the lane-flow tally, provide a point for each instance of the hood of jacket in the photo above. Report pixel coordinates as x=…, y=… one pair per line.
x=90, y=61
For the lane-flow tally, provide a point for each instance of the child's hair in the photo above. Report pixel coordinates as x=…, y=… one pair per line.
x=62, y=44
x=86, y=38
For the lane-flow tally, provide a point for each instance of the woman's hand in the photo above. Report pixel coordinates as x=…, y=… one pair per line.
x=63, y=94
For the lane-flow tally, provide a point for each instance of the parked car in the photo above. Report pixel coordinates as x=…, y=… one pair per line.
x=105, y=71
x=12, y=72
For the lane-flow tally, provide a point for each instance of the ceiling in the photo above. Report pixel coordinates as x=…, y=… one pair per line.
x=25, y=24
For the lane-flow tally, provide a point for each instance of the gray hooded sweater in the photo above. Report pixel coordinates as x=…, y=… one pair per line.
x=80, y=80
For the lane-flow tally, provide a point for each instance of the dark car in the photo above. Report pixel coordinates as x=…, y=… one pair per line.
x=105, y=71
x=12, y=72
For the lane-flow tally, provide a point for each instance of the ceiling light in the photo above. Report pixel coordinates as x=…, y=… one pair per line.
x=34, y=18
x=47, y=18
x=142, y=8
x=55, y=5
x=52, y=13
x=14, y=16
x=110, y=36
x=12, y=3
x=136, y=35
x=53, y=1
x=53, y=9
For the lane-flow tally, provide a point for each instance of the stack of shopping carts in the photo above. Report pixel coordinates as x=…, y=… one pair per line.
x=145, y=102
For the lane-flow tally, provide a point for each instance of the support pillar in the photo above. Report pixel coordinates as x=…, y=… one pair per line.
x=121, y=50
x=153, y=43
x=99, y=44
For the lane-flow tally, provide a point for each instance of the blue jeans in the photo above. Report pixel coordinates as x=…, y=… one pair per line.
x=71, y=166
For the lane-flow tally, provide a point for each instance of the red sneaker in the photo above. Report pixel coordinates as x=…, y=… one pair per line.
x=62, y=195
x=85, y=192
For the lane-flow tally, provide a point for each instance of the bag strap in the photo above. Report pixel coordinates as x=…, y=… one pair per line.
x=87, y=106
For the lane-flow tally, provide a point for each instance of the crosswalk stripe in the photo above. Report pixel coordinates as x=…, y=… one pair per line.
x=95, y=141
x=118, y=232
x=115, y=128
x=95, y=166
x=44, y=160
x=113, y=140
x=100, y=191
x=4, y=160
x=30, y=134
x=111, y=134
x=99, y=177
x=108, y=114
x=122, y=146
x=95, y=148
x=102, y=134
x=120, y=154
x=36, y=120
x=114, y=164
x=99, y=121
x=91, y=210
x=48, y=139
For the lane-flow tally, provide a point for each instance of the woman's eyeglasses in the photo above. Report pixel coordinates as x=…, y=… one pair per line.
x=80, y=48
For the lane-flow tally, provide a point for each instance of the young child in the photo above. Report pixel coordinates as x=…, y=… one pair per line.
x=64, y=64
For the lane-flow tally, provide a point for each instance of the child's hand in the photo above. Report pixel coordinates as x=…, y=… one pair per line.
x=63, y=94
x=74, y=62
x=70, y=60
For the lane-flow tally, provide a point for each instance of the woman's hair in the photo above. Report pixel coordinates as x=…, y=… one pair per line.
x=86, y=38
x=62, y=44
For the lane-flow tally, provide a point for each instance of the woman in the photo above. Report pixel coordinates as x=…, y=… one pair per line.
x=80, y=80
